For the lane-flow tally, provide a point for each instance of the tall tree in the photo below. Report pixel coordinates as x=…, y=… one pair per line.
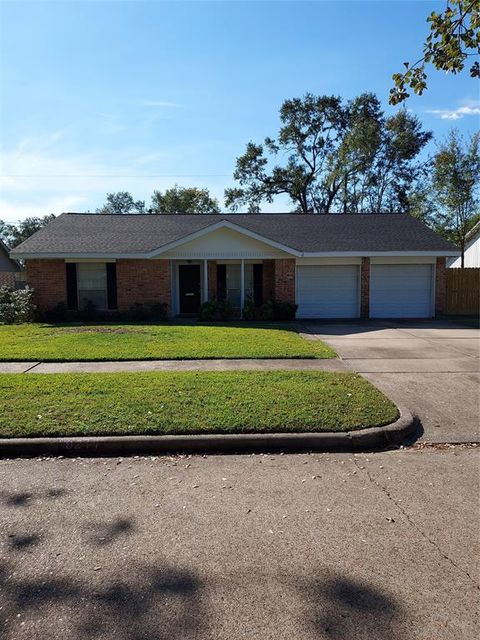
x=184, y=200
x=455, y=186
x=454, y=36
x=339, y=157
x=122, y=202
x=13, y=234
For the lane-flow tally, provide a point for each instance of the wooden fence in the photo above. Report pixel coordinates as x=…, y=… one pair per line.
x=463, y=291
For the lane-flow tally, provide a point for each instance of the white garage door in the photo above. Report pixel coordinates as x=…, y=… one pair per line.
x=327, y=291
x=401, y=291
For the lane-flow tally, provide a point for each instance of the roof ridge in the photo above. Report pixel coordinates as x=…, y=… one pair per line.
x=233, y=215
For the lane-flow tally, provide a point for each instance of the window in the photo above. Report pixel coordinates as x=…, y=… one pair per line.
x=92, y=284
x=230, y=284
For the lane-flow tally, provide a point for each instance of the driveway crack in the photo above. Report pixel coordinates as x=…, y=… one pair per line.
x=414, y=525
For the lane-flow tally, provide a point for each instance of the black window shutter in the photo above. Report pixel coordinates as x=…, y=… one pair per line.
x=258, y=284
x=72, y=299
x=221, y=282
x=112, y=285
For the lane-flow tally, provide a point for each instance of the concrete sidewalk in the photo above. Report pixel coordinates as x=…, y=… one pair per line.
x=256, y=364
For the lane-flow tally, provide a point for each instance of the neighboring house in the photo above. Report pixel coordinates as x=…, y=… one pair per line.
x=332, y=266
x=472, y=250
x=10, y=269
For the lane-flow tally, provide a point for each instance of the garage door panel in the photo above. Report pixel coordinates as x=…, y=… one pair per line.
x=327, y=291
x=401, y=291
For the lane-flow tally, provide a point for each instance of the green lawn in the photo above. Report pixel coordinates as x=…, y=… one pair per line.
x=188, y=402
x=54, y=343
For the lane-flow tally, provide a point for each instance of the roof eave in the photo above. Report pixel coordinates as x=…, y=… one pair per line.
x=298, y=254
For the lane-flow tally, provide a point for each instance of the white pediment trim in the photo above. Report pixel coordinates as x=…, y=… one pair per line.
x=223, y=224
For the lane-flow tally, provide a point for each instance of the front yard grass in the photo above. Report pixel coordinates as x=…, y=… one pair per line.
x=188, y=402
x=77, y=342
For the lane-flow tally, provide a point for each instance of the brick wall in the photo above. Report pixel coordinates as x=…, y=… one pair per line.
x=144, y=282
x=285, y=279
x=7, y=278
x=212, y=279
x=365, y=288
x=440, y=287
x=48, y=279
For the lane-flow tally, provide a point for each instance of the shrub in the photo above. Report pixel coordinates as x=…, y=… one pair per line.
x=249, y=310
x=285, y=310
x=208, y=311
x=16, y=305
x=58, y=313
x=158, y=311
x=214, y=310
x=88, y=313
x=266, y=311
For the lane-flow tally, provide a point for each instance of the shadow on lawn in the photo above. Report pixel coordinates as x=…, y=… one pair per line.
x=181, y=322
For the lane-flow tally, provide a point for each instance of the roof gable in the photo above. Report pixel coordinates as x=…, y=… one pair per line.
x=224, y=239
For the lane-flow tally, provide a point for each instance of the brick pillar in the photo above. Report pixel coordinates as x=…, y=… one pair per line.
x=440, y=287
x=212, y=279
x=48, y=278
x=268, y=280
x=143, y=281
x=285, y=280
x=365, y=288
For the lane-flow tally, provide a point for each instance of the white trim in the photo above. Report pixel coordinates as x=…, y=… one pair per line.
x=89, y=260
x=242, y=286
x=329, y=261
x=331, y=254
x=224, y=224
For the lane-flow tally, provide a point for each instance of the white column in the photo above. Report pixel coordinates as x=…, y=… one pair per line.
x=242, y=285
x=205, y=281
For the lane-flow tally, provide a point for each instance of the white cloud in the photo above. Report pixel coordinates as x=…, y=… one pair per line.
x=38, y=178
x=160, y=104
x=470, y=109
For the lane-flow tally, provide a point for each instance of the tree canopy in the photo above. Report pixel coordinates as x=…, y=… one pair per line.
x=339, y=156
x=184, y=200
x=449, y=202
x=12, y=235
x=454, y=37
x=122, y=202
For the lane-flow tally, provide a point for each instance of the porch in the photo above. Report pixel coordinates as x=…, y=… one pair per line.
x=195, y=282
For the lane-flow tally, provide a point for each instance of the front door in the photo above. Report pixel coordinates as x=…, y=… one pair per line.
x=189, y=288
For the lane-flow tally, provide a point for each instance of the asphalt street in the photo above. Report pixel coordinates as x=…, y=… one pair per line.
x=369, y=546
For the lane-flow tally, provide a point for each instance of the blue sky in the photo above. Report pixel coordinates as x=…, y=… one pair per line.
x=107, y=96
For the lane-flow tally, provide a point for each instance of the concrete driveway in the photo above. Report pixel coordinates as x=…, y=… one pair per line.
x=430, y=367
x=310, y=547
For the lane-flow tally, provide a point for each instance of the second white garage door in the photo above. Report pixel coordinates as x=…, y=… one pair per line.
x=328, y=291
x=401, y=291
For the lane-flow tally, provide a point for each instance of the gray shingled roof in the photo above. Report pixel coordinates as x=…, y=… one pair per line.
x=73, y=233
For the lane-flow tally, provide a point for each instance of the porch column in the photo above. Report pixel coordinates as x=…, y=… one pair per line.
x=205, y=281
x=242, y=285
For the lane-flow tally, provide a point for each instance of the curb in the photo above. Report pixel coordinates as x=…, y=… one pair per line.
x=361, y=440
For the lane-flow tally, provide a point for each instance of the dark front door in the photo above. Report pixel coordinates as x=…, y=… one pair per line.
x=189, y=287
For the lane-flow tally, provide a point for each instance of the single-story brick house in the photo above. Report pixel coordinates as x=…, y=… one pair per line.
x=332, y=266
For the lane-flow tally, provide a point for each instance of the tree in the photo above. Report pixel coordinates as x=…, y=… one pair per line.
x=13, y=235
x=454, y=36
x=184, y=200
x=455, y=185
x=344, y=157
x=122, y=202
